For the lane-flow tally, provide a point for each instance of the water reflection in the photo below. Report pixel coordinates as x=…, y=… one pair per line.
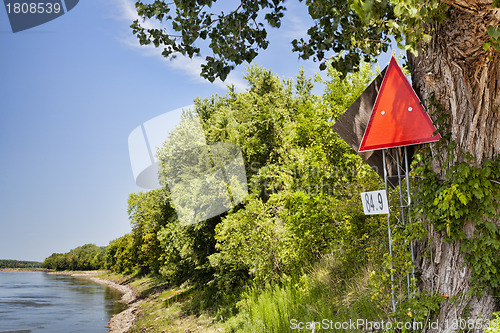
x=41, y=302
x=113, y=307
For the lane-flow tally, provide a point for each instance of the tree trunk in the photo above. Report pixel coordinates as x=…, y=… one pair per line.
x=465, y=80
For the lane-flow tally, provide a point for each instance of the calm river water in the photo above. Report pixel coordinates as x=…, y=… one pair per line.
x=41, y=302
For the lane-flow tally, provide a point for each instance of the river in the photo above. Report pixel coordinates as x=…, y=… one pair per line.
x=40, y=302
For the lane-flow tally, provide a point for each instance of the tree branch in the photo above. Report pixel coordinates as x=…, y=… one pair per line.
x=220, y=18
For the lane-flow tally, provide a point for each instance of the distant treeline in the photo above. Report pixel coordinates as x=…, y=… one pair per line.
x=85, y=257
x=7, y=263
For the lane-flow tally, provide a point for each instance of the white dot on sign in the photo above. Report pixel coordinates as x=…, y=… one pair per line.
x=382, y=113
x=410, y=108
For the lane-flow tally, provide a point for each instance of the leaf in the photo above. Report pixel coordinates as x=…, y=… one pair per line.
x=494, y=32
x=492, y=227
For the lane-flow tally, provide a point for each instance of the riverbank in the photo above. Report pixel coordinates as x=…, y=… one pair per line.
x=25, y=270
x=153, y=305
x=121, y=322
x=164, y=308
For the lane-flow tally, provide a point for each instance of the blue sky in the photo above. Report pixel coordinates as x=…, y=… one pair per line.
x=71, y=91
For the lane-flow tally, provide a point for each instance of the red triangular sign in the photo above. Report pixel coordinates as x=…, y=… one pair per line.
x=398, y=118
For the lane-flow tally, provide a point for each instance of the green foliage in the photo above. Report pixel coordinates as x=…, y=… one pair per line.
x=463, y=203
x=119, y=256
x=85, y=257
x=353, y=31
x=6, y=263
x=148, y=212
x=467, y=195
x=332, y=292
x=185, y=251
x=494, y=34
x=305, y=181
x=234, y=37
x=258, y=120
x=250, y=240
x=204, y=180
x=341, y=93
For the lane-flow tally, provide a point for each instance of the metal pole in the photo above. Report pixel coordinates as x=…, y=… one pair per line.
x=389, y=232
x=401, y=200
x=409, y=205
x=402, y=206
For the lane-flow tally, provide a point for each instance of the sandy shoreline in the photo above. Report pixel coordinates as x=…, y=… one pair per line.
x=121, y=322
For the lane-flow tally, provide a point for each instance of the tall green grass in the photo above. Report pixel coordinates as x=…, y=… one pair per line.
x=330, y=291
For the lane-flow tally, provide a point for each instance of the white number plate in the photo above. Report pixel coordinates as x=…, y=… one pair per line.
x=375, y=202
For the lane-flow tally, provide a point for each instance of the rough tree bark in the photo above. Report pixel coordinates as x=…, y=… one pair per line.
x=465, y=80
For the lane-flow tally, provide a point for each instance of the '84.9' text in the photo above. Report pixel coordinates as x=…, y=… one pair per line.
x=375, y=202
